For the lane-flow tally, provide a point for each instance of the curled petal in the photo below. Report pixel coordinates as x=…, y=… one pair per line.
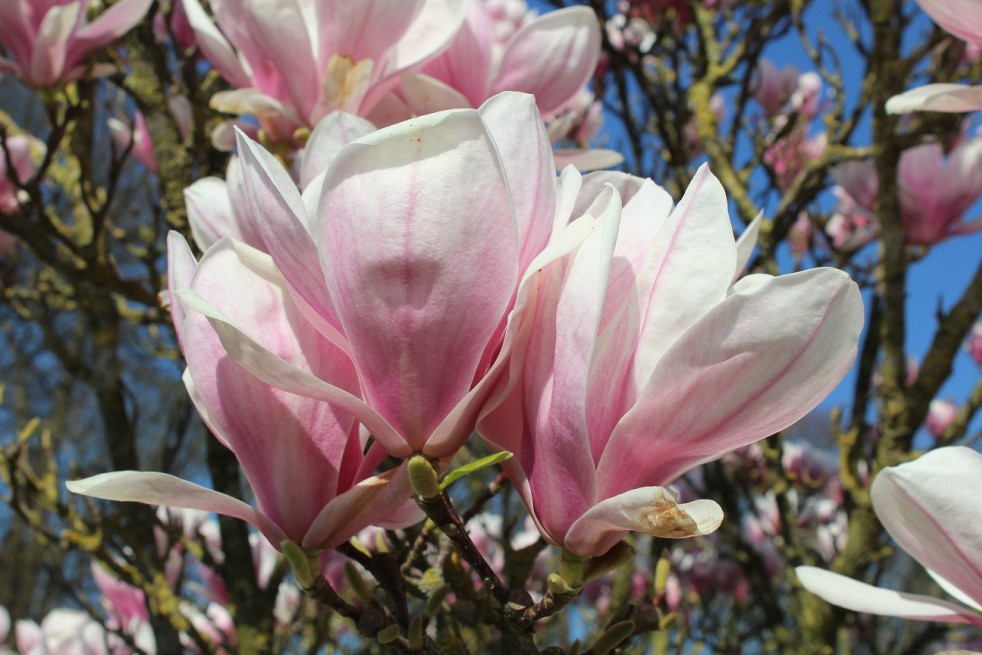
x=649, y=510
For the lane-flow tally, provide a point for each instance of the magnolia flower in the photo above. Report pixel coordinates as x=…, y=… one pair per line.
x=49, y=40
x=964, y=20
x=406, y=257
x=293, y=62
x=552, y=57
x=786, y=89
x=935, y=192
x=303, y=458
x=642, y=359
x=929, y=508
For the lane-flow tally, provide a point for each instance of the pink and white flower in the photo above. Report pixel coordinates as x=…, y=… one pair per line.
x=48, y=40
x=292, y=62
x=623, y=378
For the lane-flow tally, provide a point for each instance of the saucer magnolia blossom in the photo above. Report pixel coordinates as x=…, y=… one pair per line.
x=294, y=61
x=930, y=508
x=303, y=458
x=406, y=255
x=49, y=40
x=643, y=359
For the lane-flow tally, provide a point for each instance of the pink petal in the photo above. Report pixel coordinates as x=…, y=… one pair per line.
x=432, y=31
x=587, y=159
x=963, y=18
x=279, y=31
x=520, y=137
x=332, y=133
x=424, y=94
x=552, y=57
x=167, y=490
x=110, y=25
x=294, y=450
x=650, y=510
x=465, y=66
x=215, y=46
x=282, y=221
x=954, y=98
x=362, y=505
x=789, y=340
x=416, y=233
x=210, y=212
x=51, y=44
x=281, y=374
x=363, y=30
x=544, y=420
x=745, y=245
x=861, y=597
x=930, y=507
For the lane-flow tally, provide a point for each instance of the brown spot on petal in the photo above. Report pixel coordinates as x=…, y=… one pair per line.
x=667, y=520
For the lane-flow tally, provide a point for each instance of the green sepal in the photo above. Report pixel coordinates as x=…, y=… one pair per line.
x=300, y=562
x=620, y=554
x=472, y=467
x=612, y=637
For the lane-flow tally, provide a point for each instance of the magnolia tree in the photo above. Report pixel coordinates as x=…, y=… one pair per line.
x=449, y=326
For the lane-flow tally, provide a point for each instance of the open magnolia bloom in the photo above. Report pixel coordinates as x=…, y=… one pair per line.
x=49, y=40
x=294, y=61
x=930, y=508
x=640, y=358
x=405, y=257
x=963, y=18
x=303, y=458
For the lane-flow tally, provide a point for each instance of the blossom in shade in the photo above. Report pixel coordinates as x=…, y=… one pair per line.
x=48, y=41
x=624, y=376
x=929, y=507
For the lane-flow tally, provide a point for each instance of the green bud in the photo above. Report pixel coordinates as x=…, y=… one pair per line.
x=557, y=586
x=612, y=637
x=662, y=569
x=416, y=632
x=574, y=648
x=424, y=477
x=357, y=582
x=388, y=634
x=435, y=601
